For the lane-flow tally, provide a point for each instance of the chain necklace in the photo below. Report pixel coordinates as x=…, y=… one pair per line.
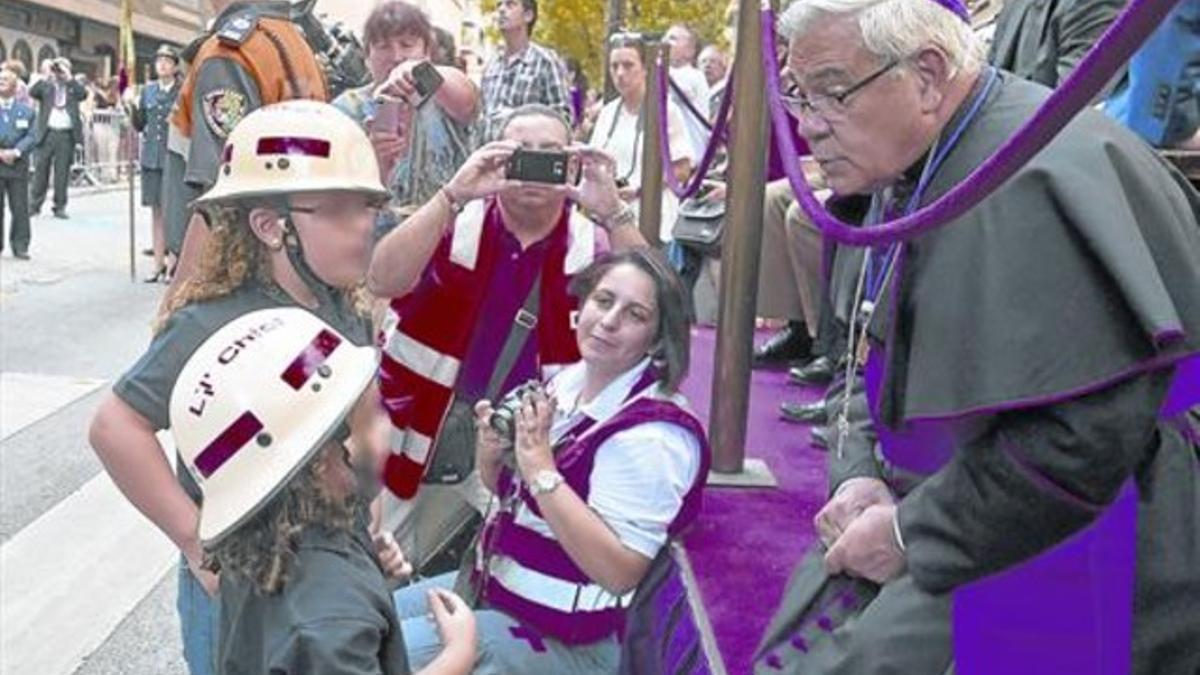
x=857, y=339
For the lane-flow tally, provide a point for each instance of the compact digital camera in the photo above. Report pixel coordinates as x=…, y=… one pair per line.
x=504, y=413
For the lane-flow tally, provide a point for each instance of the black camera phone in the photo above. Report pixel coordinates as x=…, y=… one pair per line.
x=538, y=166
x=426, y=79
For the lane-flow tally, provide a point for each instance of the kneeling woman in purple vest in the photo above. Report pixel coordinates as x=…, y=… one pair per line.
x=607, y=465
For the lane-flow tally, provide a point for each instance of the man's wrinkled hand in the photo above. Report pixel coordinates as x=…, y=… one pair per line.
x=868, y=548
x=848, y=502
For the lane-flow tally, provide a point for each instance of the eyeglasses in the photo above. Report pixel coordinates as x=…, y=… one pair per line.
x=828, y=107
x=336, y=211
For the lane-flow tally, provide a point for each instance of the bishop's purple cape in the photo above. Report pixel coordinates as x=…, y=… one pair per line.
x=1032, y=364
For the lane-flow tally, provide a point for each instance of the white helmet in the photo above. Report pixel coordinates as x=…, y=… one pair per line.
x=254, y=404
x=295, y=146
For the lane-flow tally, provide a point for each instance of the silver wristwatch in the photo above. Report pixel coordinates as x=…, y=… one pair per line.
x=545, y=482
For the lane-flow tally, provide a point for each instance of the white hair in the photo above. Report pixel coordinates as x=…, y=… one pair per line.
x=893, y=29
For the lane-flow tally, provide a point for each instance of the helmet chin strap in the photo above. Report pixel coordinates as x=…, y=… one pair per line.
x=327, y=295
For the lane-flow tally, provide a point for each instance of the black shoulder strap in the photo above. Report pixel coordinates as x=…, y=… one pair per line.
x=523, y=324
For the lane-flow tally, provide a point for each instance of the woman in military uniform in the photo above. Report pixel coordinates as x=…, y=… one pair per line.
x=150, y=112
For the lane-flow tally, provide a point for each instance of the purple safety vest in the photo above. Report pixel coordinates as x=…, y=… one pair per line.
x=594, y=614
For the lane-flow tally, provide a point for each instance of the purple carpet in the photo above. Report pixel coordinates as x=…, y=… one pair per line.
x=746, y=541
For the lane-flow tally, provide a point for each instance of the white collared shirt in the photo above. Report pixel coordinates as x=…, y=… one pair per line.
x=640, y=474
x=618, y=132
x=59, y=119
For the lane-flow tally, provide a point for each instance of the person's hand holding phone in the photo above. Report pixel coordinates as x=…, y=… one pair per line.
x=388, y=130
x=414, y=81
x=597, y=190
x=484, y=173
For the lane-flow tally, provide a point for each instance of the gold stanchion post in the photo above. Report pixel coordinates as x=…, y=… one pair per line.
x=650, y=207
x=740, y=254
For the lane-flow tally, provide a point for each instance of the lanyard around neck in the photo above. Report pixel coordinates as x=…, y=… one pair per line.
x=637, y=135
x=876, y=278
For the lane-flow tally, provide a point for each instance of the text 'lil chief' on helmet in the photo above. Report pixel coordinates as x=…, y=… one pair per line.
x=256, y=402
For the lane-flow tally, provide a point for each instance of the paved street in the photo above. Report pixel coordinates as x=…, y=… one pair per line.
x=86, y=584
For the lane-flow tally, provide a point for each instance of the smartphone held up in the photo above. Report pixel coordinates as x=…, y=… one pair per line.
x=539, y=166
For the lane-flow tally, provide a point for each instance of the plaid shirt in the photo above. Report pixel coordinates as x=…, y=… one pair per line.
x=536, y=75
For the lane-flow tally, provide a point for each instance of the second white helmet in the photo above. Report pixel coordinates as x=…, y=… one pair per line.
x=256, y=402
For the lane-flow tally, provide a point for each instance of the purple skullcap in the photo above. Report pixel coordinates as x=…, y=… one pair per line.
x=958, y=7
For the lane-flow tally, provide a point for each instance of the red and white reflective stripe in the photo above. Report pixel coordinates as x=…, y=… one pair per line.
x=310, y=359
x=227, y=444
x=581, y=243
x=423, y=359
x=468, y=232
x=412, y=444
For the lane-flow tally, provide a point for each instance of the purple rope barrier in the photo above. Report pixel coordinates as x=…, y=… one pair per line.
x=1114, y=48
x=715, y=141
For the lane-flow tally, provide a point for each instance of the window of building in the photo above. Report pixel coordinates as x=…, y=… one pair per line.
x=46, y=52
x=22, y=53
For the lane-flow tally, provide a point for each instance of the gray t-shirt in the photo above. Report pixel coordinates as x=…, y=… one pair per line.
x=147, y=386
x=334, y=615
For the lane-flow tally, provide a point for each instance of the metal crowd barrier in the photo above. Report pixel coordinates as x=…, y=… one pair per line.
x=108, y=151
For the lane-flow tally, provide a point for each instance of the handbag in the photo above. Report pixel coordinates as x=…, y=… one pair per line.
x=700, y=225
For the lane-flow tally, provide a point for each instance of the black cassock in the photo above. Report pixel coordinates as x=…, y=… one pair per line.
x=1030, y=366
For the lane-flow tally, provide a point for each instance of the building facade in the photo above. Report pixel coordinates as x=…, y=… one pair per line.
x=86, y=32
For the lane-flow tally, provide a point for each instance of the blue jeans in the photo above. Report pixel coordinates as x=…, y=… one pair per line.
x=198, y=623
x=505, y=646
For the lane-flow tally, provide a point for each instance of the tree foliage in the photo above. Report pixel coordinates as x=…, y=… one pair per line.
x=577, y=28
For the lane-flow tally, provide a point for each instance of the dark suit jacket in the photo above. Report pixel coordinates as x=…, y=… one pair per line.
x=43, y=92
x=1043, y=40
x=16, y=132
x=152, y=117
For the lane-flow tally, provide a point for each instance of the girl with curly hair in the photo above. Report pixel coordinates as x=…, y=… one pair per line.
x=291, y=212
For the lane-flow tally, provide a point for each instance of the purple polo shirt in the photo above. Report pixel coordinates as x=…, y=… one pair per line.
x=511, y=282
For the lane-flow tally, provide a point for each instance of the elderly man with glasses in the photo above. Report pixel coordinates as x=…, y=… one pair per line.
x=1035, y=470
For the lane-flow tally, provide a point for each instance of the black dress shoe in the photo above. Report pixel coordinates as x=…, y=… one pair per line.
x=158, y=277
x=804, y=413
x=60, y=214
x=819, y=371
x=21, y=256
x=820, y=437
x=792, y=343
